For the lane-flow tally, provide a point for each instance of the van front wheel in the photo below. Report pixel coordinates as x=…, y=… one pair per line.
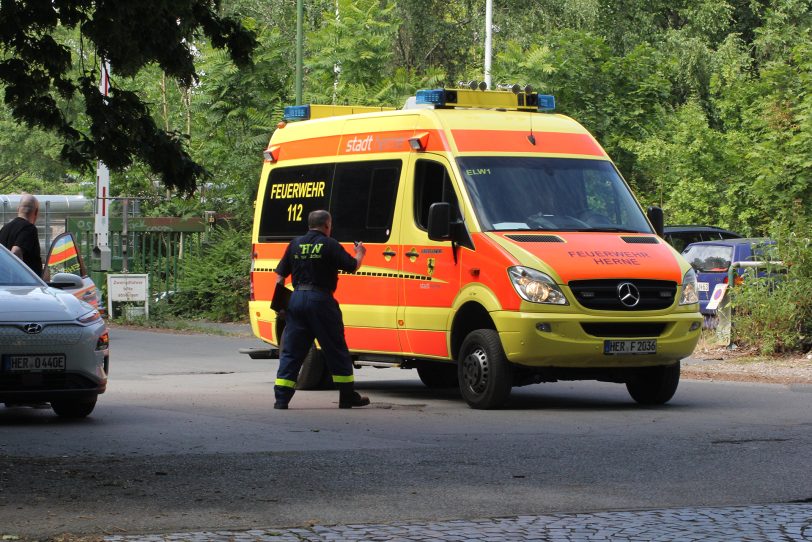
x=484, y=372
x=654, y=385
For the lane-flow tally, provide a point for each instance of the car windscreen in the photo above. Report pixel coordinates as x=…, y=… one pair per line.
x=13, y=272
x=557, y=194
x=709, y=258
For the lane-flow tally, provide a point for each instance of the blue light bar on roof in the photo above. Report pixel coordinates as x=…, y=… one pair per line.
x=297, y=112
x=546, y=102
x=431, y=96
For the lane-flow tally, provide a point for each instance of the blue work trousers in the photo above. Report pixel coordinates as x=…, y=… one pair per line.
x=313, y=314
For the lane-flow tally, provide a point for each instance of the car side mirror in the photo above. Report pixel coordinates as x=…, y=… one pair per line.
x=440, y=221
x=655, y=216
x=66, y=281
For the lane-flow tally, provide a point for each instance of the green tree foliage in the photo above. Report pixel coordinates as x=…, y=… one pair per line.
x=350, y=54
x=29, y=160
x=40, y=70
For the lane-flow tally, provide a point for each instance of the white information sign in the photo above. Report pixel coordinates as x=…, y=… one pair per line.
x=129, y=287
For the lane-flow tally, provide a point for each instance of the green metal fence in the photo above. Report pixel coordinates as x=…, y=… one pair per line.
x=154, y=245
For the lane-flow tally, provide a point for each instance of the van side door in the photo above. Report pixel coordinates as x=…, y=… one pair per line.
x=363, y=206
x=429, y=275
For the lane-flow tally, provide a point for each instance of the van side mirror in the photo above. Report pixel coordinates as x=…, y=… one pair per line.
x=655, y=216
x=440, y=221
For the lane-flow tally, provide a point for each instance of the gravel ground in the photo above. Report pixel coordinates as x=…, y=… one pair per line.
x=719, y=363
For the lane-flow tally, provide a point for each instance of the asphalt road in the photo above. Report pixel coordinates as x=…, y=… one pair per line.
x=186, y=439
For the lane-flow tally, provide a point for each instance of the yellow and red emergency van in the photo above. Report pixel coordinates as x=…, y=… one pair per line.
x=503, y=246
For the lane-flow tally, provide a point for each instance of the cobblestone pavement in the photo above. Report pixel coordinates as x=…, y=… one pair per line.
x=772, y=523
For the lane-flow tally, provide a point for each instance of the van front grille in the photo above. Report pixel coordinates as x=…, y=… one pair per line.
x=605, y=294
x=636, y=329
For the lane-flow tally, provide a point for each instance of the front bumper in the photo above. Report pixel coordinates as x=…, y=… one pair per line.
x=43, y=387
x=85, y=374
x=567, y=344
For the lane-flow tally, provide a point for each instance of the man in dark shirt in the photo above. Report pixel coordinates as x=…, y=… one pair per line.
x=314, y=260
x=20, y=235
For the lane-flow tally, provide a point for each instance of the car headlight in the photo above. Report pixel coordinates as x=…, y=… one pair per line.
x=89, y=317
x=689, y=294
x=535, y=286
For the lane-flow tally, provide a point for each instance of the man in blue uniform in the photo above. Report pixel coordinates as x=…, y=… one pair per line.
x=314, y=260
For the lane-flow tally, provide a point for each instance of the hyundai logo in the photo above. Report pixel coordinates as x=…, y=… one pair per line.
x=32, y=329
x=628, y=293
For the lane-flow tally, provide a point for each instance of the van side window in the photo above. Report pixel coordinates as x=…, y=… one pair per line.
x=432, y=184
x=363, y=200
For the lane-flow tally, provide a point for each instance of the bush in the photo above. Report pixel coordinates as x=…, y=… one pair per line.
x=214, y=283
x=773, y=314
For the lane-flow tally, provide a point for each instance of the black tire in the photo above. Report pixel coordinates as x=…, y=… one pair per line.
x=438, y=375
x=73, y=409
x=654, y=385
x=485, y=374
x=314, y=374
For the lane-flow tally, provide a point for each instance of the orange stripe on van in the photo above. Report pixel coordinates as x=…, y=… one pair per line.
x=264, y=285
x=309, y=148
x=427, y=343
x=369, y=339
x=270, y=251
x=359, y=144
x=266, y=330
x=515, y=141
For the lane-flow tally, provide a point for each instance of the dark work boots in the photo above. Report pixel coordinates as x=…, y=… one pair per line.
x=349, y=398
x=283, y=396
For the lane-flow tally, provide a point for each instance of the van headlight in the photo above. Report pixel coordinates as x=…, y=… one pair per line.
x=535, y=286
x=689, y=294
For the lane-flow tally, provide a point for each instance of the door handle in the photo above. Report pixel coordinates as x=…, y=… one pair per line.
x=389, y=253
x=412, y=254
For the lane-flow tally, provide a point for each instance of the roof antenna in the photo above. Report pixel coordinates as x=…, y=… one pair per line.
x=531, y=138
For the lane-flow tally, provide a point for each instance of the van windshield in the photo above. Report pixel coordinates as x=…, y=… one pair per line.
x=557, y=194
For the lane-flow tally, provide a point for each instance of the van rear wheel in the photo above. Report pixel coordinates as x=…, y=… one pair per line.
x=438, y=375
x=654, y=385
x=485, y=374
x=314, y=374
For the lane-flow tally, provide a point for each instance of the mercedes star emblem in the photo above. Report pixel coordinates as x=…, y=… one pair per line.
x=628, y=293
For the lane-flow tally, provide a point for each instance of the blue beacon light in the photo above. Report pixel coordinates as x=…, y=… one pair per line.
x=431, y=96
x=546, y=102
x=296, y=112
